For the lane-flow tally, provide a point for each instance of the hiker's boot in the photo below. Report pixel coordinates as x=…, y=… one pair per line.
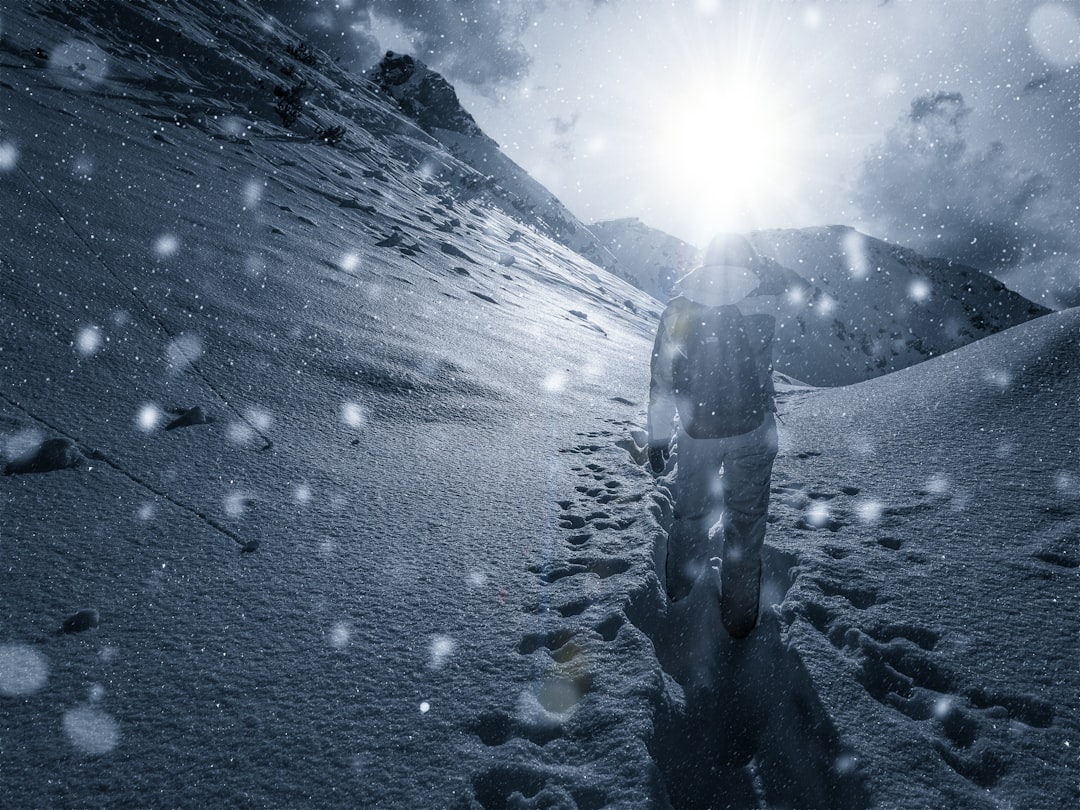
x=740, y=593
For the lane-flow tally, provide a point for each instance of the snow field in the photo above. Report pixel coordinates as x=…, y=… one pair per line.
x=453, y=597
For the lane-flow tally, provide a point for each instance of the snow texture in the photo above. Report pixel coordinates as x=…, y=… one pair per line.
x=355, y=513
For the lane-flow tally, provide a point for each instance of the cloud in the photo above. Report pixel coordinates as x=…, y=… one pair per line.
x=925, y=186
x=564, y=131
x=565, y=126
x=478, y=42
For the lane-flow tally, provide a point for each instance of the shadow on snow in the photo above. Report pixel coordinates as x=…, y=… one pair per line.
x=749, y=730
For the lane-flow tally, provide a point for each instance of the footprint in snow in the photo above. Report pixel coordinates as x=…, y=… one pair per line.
x=393, y=240
x=85, y=619
x=187, y=417
x=484, y=297
x=898, y=668
x=450, y=250
x=48, y=456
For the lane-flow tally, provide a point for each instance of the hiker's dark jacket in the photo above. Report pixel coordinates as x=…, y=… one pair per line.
x=674, y=324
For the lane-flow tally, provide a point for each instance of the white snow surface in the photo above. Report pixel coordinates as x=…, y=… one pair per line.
x=361, y=506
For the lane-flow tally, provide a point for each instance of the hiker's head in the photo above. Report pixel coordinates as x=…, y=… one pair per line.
x=726, y=275
x=730, y=250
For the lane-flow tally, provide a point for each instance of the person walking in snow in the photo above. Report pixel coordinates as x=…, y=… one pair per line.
x=711, y=367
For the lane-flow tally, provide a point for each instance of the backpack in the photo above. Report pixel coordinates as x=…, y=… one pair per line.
x=718, y=376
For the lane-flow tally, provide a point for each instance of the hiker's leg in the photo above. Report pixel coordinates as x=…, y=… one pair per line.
x=697, y=507
x=746, y=482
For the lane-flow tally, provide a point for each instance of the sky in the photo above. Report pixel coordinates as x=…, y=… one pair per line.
x=945, y=127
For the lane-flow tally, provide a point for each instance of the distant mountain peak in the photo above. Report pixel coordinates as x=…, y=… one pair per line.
x=432, y=103
x=849, y=307
x=423, y=95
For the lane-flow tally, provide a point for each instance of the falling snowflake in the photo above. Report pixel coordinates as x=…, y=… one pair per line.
x=352, y=414
x=91, y=730
x=259, y=418
x=1054, y=30
x=340, y=635
x=83, y=167
x=919, y=290
x=937, y=484
x=817, y=515
x=183, y=351
x=476, y=579
x=9, y=156
x=23, y=670
x=149, y=417
x=854, y=244
x=166, y=245
x=234, y=127
x=870, y=511
x=78, y=63
x=1066, y=483
x=826, y=305
x=440, y=650
x=236, y=503
x=253, y=192
x=240, y=433
x=555, y=382
x=88, y=341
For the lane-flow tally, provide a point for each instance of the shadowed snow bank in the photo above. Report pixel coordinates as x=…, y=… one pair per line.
x=744, y=726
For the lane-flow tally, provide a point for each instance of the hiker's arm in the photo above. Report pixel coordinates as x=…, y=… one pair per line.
x=769, y=386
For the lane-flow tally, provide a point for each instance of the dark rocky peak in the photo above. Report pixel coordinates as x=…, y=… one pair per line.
x=423, y=95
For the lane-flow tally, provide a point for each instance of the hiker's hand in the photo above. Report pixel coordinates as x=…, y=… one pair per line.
x=658, y=457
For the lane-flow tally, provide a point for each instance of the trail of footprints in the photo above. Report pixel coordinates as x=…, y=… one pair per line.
x=895, y=662
x=571, y=620
x=897, y=667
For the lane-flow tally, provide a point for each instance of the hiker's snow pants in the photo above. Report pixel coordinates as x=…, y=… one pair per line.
x=727, y=480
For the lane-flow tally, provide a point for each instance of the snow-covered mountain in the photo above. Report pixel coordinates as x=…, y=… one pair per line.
x=849, y=307
x=427, y=98
x=647, y=257
x=337, y=471
x=858, y=307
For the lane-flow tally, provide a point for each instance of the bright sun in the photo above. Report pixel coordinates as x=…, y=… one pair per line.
x=728, y=144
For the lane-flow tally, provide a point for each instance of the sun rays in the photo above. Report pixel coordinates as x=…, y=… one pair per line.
x=726, y=124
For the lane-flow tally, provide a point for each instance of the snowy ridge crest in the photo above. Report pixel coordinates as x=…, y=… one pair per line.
x=848, y=307
x=424, y=95
x=427, y=98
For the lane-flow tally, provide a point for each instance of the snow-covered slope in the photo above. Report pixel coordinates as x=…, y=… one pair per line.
x=378, y=383
x=359, y=496
x=426, y=97
x=648, y=258
x=934, y=515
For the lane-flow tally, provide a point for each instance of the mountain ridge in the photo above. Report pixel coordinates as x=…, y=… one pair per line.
x=849, y=307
